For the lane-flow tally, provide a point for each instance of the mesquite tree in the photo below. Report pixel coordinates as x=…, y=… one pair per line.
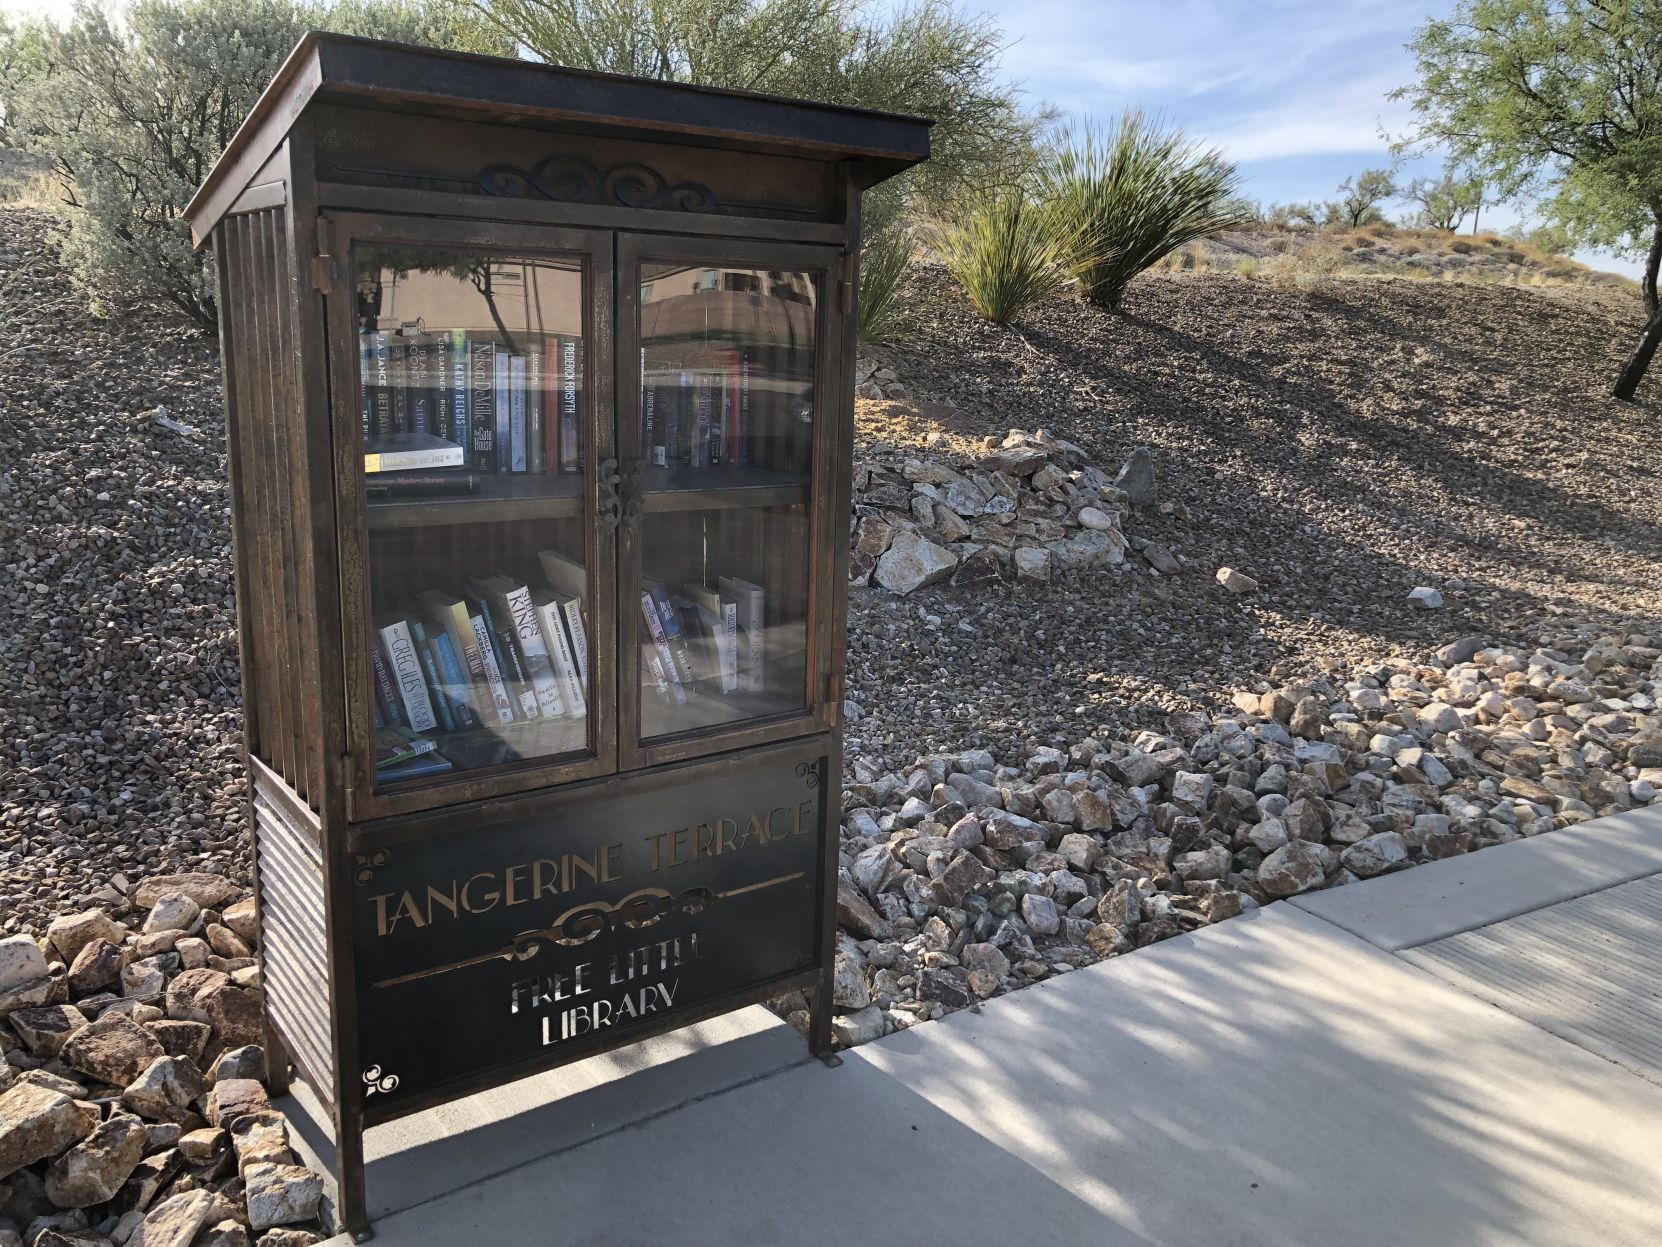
x=1558, y=101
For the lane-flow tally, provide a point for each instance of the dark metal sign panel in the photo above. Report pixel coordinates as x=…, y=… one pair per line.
x=493, y=947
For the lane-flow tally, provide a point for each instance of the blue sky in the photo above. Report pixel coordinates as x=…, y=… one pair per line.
x=1293, y=90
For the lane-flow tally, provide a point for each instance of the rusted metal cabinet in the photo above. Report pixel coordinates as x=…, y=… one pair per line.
x=538, y=393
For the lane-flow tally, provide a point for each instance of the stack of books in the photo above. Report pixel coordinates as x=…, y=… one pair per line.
x=723, y=406
x=703, y=641
x=495, y=673
x=461, y=405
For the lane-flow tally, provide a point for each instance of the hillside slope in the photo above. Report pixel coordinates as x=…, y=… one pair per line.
x=1342, y=444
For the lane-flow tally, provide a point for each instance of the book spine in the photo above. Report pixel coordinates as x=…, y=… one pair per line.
x=571, y=404
x=406, y=460
x=460, y=396
x=673, y=635
x=516, y=410
x=508, y=659
x=435, y=676
x=406, y=673
x=744, y=431
x=492, y=673
x=539, y=664
x=754, y=616
x=435, y=688
x=439, y=380
x=655, y=665
x=456, y=682
x=535, y=438
x=660, y=646
x=504, y=409
x=386, y=694
x=729, y=647
x=482, y=404
x=382, y=396
x=571, y=611
x=565, y=665
x=649, y=418
x=366, y=385
x=419, y=366
x=398, y=364
x=701, y=425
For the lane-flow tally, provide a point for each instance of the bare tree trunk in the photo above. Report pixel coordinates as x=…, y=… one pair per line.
x=1652, y=261
x=1633, y=371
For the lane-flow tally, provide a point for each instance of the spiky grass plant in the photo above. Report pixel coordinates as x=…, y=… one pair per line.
x=1139, y=189
x=1009, y=252
x=885, y=261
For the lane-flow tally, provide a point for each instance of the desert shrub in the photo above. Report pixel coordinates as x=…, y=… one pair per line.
x=1009, y=252
x=1513, y=257
x=1461, y=247
x=1247, y=268
x=133, y=110
x=1130, y=194
x=886, y=251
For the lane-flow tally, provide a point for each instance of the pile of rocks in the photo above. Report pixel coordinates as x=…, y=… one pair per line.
x=963, y=879
x=1027, y=505
x=133, y=1109
x=873, y=380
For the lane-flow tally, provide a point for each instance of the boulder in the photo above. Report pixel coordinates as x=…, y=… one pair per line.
x=114, y=1049
x=1295, y=867
x=208, y=891
x=46, y=1030
x=36, y=1122
x=94, y=1169
x=167, y=1085
x=912, y=562
x=1375, y=855
x=280, y=1195
x=21, y=962
x=175, y=1221
x=1236, y=582
x=70, y=933
x=1136, y=478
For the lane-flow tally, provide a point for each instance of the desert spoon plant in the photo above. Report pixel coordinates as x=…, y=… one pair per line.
x=1133, y=193
x=1009, y=252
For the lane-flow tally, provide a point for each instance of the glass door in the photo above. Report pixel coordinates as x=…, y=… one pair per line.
x=720, y=419
x=480, y=421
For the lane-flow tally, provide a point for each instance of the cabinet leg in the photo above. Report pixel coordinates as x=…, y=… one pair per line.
x=351, y=1212
x=819, y=1023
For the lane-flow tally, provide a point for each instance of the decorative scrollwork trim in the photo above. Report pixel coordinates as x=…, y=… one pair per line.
x=612, y=487
x=566, y=179
x=368, y=864
x=375, y=1080
x=808, y=773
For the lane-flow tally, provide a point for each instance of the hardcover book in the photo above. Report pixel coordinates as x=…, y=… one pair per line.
x=403, y=452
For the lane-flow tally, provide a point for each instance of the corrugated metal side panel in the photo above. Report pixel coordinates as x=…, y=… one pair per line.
x=295, y=940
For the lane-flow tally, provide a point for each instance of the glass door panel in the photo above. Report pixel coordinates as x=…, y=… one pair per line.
x=726, y=444
x=473, y=394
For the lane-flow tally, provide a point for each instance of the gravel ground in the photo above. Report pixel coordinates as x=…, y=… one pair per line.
x=118, y=663
x=1340, y=444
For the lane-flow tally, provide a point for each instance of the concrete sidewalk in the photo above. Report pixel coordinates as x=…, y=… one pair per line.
x=1331, y=1071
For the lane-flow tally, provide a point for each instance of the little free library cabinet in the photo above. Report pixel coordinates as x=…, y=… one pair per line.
x=538, y=386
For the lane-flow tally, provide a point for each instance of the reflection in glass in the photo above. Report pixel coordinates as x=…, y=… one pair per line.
x=472, y=398
x=727, y=424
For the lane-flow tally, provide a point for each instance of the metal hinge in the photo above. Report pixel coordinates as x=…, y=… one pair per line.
x=323, y=263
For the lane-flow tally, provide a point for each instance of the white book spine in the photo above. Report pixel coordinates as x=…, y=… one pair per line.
x=493, y=674
x=559, y=648
x=660, y=642
x=655, y=665
x=406, y=671
x=539, y=663
x=729, y=643
x=572, y=613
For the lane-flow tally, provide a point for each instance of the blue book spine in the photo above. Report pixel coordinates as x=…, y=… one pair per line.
x=454, y=682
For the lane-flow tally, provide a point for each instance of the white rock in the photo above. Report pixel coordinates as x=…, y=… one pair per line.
x=173, y=912
x=911, y=562
x=1236, y=582
x=21, y=961
x=1102, y=521
x=1426, y=598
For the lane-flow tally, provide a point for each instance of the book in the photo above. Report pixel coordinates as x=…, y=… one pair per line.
x=457, y=389
x=551, y=610
x=416, y=768
x=567, y=577
x=504, y=410
x=399, y=744
x=455, y=686
x=751, y=603
x=485, y=644
x=380, y=388
x=398, y=382
x=366, y=358
x=536, y=444
x=651, y=439
x=680, y=653
x=571, y=403
x=724, y=614
x=449, y=616
x=403, y=452
x=388, y=709
x=421, y=382
x=663, y=661
x=414, y=483
x=516, y=413
x=700, y=630
x=703, y=414
x=435, y=677
x=398, y=652
x=481, y=367
x=652, y=663
x=511, y=601
x=505, y=648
